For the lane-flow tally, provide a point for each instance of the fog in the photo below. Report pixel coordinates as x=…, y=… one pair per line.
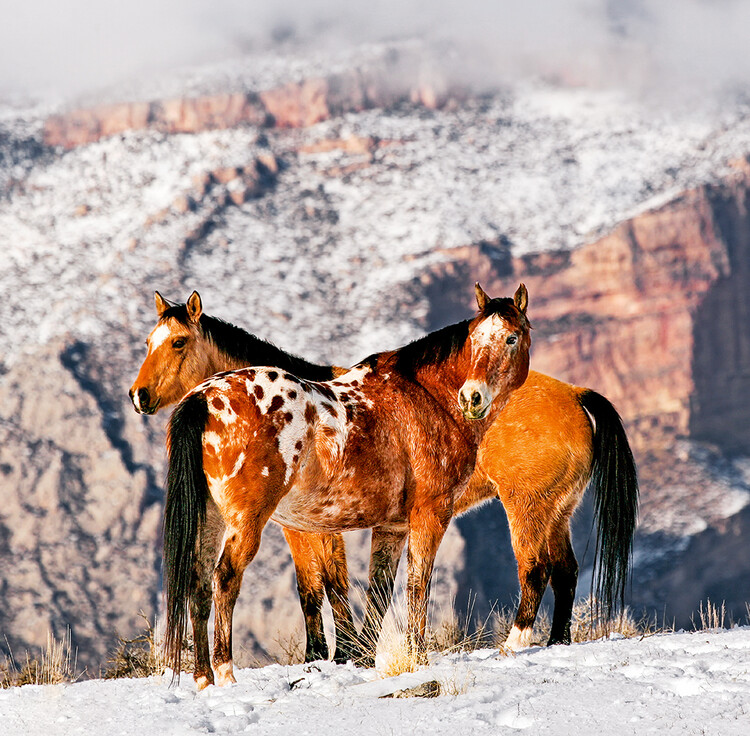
x=79, y=46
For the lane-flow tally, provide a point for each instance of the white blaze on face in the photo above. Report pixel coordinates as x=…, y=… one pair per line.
x=476, y=396
x=486, y=332
x=158, y=336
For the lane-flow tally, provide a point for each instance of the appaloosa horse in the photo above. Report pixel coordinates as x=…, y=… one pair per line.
x=186, y=347
x=389, y=445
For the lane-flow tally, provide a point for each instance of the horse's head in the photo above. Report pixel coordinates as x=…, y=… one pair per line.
x=175, y=362
x=499, y=362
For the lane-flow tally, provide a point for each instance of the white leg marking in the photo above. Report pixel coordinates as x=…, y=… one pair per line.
x=225, y=674
x=518, y=638
x=202, y=682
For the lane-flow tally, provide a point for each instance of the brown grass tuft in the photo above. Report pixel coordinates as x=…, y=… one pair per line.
x=143, y=655
x=56, y=664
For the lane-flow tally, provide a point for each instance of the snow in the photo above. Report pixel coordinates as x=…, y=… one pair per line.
x=676, y=683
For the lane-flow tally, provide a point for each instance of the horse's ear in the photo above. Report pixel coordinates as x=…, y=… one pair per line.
x=521, y=298
x=194, y=307
x=482, y=299
x=161, y=304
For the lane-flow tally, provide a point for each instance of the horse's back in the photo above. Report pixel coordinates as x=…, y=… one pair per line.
x=539, y=446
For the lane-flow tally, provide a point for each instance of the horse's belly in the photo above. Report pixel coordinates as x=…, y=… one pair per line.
x=334, y=510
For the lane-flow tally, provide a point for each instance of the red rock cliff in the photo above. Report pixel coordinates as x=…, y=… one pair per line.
x=652, y=315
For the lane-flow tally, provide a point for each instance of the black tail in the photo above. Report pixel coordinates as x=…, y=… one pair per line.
x=184, y=515
x=615, y=484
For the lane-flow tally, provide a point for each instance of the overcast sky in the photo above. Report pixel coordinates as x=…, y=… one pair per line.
x=74, y=46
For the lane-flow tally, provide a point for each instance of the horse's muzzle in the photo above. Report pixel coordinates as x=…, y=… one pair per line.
x=142, y=401
x=474, y=401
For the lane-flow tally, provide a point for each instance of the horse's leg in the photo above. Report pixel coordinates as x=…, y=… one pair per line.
x=564, y=580
x=239, y=548
x=533, y=575
x=336, y=577
x=310, y=586
x=385, y=552
x=426, y=529
x=200, y=597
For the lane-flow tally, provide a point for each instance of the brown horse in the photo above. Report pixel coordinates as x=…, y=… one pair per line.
x=389, y=445
x=185, y=348
x=550, y=442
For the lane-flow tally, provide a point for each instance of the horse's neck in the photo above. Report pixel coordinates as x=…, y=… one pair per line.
x=225, y=362
x=443, y=382
x=218, y=361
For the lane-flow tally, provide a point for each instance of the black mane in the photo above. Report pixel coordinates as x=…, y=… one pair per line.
x=248, y=349
x=438, y=346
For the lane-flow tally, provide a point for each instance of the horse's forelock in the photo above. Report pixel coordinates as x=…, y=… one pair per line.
x=178, y=312
x=507, y=309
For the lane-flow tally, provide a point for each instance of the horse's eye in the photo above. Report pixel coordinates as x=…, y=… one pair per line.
x=179, y=343
x=512, y=340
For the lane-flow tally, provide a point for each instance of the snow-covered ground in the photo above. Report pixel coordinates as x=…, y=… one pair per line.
x=684, y=683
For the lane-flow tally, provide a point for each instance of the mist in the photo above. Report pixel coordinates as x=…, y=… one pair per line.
x=79, y=46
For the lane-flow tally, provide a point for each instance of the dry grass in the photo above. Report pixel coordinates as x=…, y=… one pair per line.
x=291, y=648
x=451, y=635
x=56, y=664
x=141, y=656
x=711, y=617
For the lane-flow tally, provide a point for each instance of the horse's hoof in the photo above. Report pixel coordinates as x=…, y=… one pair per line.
x=203, y=681
x=345, y=654
x=518, y=638
x=225, y=674
x=554, y=641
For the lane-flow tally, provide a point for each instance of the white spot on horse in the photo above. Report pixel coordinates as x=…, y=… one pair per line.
x=352, y=378
x=237, y=465
x=213, y=439
x=160, y=334
x=270, y=389
x=264, y=472
x=217, y=484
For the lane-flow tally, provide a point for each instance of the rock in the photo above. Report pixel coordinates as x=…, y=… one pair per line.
x=297, y=105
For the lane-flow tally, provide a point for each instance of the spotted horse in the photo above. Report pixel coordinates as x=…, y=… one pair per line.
x=388, y=445
x=185, y=348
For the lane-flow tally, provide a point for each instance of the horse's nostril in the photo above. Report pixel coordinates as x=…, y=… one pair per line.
x=143, y=397
x=476, y=398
